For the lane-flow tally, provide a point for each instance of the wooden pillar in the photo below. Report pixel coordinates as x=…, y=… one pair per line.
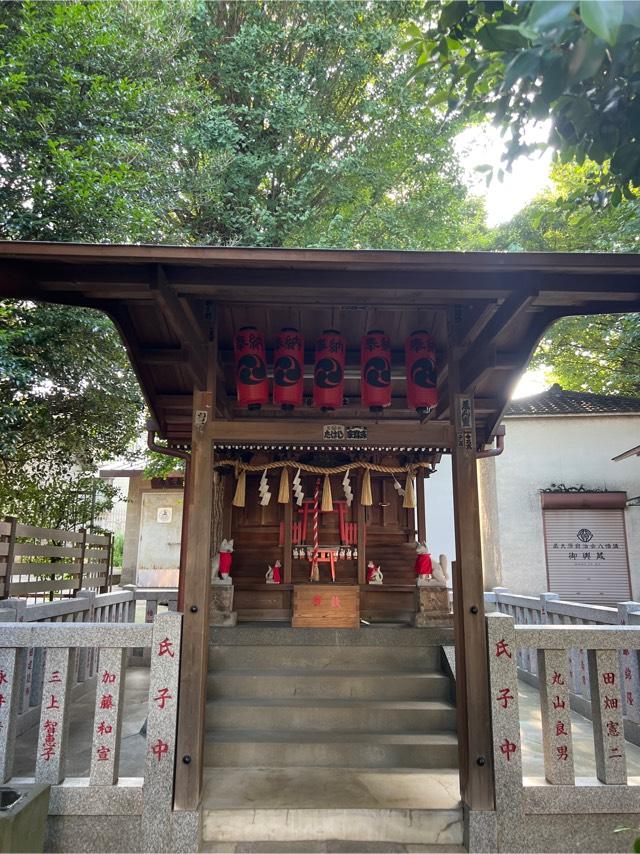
x=420, y=506
x=287, y=540
x=362, y=535
x=196, y=590
x=472, y=676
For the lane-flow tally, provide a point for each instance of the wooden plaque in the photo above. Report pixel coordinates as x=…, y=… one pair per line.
x=326, y=606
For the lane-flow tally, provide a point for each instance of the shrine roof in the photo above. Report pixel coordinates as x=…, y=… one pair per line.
x=558, y=401
x=170, y=302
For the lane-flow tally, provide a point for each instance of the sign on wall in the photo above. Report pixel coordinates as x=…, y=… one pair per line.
x=586, y=553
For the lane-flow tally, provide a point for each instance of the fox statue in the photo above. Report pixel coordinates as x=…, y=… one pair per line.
x=222, y=563
x=428, y=570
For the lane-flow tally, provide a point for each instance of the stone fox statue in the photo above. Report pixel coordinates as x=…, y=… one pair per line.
x=222, y=561
x=428, y=570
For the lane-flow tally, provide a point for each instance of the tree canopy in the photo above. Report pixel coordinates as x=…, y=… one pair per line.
x=575, y=63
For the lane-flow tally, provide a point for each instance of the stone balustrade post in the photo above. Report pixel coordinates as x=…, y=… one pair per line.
x=555, y=707
x=505, y=716
x=606, y=712
x=85, y=656
x=629, y=666
x=54, y=717
x=107, y=722
x=11, y=673
x=161, y=732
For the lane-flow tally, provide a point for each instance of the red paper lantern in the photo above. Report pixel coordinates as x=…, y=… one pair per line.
x=422, y=391
x=288, y=369
x=375, y=367
x=328, y=372
x=252, y=385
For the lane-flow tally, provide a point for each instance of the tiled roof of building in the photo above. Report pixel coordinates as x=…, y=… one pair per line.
x=558, y=401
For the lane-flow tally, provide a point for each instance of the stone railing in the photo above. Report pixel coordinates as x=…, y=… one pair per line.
x=88, y=607
x=549, y=609
x=532, y=813
x=148, y=798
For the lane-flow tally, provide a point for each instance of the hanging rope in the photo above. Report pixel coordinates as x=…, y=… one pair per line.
x=283, y=492
x=244, y=467
x=315, y=569
x=327, y=499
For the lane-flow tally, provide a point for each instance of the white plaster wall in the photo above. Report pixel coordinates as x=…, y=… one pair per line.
x=572, y=450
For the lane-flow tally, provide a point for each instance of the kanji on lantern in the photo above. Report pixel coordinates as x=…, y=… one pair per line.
x=557, y=679
x=504, y=697
x=103, y=753
x=563, y=751
x=160, y=748
x=558, y=703
x=163, y=695
x=613, y=729
x=502, y=648
x=560, y=728
x=609, y=678
x=104, y=728
x=508, y=748
x=611, y=702
x=53, y=704
x=106, y=702
x=108, y=678
x=165, y=647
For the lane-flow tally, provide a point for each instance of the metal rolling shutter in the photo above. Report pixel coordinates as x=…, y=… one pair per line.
x=587, y=555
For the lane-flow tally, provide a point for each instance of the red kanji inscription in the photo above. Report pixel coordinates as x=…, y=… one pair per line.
x=160, y=748
x=163, y=695
x=507, y=748
x=504, y=697
x=165, y=647
x=502, y=648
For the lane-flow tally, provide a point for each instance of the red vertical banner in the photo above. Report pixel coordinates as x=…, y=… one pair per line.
x=288, y=369
x=328, y=374
x=252, y=385
x=375, y=368
x=422, y=377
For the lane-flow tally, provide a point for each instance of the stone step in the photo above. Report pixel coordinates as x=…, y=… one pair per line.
x=259, y=749
x=334, y=657
x=388, y=826
x=295, y=714
x=367, y=636
x=337, y=684
x=331, y=846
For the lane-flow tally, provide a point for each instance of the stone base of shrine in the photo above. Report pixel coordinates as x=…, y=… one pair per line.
x=432, y=607
x=221, y=611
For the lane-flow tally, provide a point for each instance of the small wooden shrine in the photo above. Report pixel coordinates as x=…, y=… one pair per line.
x=183, y=314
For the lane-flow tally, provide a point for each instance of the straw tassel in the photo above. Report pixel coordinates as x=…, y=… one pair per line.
x=365, y=495
x=241, y=490
x=409, y=492
x=283, y=492
x=327, y=500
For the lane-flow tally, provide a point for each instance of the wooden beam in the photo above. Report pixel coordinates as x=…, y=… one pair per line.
x=472, y=677
x=288, y=544
x=421, y=510
x=182, y=325
x=163, y=355
x=481, y=355
x=379, y=433
x=361, y=519
x=195, y=632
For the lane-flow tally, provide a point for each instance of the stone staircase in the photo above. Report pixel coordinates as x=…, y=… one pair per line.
x=330, y=740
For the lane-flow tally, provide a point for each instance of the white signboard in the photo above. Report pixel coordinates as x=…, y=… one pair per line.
x=164, y=515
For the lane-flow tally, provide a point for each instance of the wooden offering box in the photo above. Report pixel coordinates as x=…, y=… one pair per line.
x=326, y=606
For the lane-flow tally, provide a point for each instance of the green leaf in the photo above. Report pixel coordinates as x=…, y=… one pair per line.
x=636, y=845
x=555, y=74
x=524, y=65
x=603, y=17
x=414, y=30
x=586, y=57
x=493, y=37
x=452, y=13
x=626, y=160
x=545, y=15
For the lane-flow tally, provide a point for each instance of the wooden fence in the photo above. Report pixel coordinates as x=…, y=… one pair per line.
x=51, y=562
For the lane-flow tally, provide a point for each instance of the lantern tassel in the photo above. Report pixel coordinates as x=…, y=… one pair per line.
x=365, y=495
x=241, y=490
x=327, y=499
x=409, y=493
x=283, y=492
